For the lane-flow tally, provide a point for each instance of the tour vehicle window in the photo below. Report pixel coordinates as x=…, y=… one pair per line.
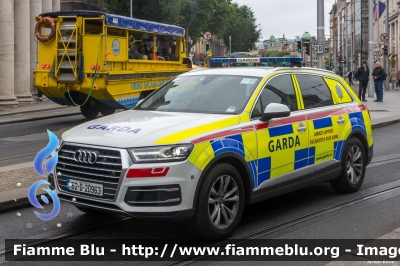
x=93, y=26
x=115, y=32
x=278, y=90
x=314, y=90
x=154, y=45
x=203, y=94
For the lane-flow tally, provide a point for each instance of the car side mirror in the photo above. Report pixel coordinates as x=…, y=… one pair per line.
x=275, y=110
x=139, y=102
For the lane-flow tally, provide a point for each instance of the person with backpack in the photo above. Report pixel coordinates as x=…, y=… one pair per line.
x=379, y=75
x=362, y=75
x=393, y=78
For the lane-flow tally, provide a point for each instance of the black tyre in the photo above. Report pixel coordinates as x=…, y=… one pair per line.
x=106, y=110
x=89, y=111
x=354, y=163
x=220, y=203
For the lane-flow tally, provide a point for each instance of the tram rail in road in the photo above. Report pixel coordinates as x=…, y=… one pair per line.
x=383, y=191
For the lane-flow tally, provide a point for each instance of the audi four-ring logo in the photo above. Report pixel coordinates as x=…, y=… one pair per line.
x=84, y=156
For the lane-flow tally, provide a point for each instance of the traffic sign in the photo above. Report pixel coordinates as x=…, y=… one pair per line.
x=378, y=53
x=384, y=37
x=207, y=35
x=318, y=49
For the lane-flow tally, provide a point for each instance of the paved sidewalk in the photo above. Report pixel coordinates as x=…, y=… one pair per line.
x=382, y=113
x=386, y=112
x=36, y=110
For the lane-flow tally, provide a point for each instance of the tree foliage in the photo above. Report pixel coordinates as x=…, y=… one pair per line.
x=221, y=17
x=242, y=28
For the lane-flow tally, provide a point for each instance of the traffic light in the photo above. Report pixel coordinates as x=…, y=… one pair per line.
x=385, y=50
x=207, y=48
x=299, y=46
x=307, y=49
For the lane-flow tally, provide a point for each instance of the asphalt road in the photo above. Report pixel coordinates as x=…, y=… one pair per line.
x=369, y=218
x=19, y=143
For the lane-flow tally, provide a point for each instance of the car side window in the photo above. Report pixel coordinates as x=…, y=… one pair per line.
x=339, y=93
x=314, y=90
x=278, y=90
x=257, y=109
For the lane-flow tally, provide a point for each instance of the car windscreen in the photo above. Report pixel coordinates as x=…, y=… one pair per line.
x=216, y=94
x=239, y=55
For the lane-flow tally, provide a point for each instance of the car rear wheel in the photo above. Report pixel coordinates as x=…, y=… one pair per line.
x=106, y=110
x=220, y=203
x=354, y=162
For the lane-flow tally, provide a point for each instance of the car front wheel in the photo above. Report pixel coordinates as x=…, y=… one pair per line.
x=220, y=203
x=354, y=162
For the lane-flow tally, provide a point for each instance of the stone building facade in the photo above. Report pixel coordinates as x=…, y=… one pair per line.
x=18, y=45
x=280, y=45
x=349, y=33
x=217, y=46
x=394, y=33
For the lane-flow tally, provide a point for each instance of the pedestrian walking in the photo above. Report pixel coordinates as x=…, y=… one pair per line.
x=350, y=77
x=393, y=79
x=40, y=95
x=398, y=77
x=379, y=75
x=354, y=75
x=362, y=75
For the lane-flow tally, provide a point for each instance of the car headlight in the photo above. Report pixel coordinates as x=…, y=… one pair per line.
x=159, y=154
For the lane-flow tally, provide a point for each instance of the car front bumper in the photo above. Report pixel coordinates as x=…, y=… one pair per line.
x=168, y=197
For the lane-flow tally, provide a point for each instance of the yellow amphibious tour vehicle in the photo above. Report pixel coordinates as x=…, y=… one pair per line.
x=90, y=59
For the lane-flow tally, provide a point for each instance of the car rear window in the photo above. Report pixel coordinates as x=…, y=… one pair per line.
x=239, y=55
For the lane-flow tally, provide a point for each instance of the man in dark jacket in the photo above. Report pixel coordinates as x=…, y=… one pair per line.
x=362, y=75
x=169, y=55
x=379, y=76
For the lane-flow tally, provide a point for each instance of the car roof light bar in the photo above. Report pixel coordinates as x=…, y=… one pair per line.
x=257, y=60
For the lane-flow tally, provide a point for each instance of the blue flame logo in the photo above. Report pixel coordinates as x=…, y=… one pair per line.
x=49, y=166
x=44, y=153
x=32, y=198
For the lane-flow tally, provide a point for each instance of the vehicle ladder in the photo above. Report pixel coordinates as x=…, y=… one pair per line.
x=68, y=50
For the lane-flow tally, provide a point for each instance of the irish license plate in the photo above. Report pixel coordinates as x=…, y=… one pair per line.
x=84, y=187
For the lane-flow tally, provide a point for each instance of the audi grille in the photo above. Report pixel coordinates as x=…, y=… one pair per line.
x=94, y=165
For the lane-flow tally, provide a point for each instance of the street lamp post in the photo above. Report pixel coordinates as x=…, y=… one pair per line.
x=230, y=51
x=370, y=48
x=320, y=28
x=131, y=8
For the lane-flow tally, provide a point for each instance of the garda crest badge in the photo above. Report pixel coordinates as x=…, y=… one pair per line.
x=339, y=91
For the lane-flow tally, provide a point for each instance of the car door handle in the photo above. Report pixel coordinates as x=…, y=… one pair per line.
x=341, y=120
x=301, y=128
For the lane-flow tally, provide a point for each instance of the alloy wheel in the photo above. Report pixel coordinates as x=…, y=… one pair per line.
x=354, y=164
x=223, y=201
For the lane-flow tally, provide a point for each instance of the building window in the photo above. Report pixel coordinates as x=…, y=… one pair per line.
x=94, y=2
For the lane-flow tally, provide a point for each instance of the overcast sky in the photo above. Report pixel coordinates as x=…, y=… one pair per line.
x=289, y=17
